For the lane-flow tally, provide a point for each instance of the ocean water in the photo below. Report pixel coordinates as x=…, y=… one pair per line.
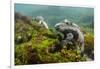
x=55, y=14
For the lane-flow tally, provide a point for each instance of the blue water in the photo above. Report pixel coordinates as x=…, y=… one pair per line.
x=55, y=14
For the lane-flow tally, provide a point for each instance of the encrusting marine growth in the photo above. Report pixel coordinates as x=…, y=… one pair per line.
x=36, y=43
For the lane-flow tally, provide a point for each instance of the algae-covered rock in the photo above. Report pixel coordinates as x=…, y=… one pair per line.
x=36, y=45
x=89, y=45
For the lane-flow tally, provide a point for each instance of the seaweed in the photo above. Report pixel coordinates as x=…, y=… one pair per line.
x=36, y=45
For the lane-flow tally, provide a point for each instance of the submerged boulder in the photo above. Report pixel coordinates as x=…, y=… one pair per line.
x=40, y=45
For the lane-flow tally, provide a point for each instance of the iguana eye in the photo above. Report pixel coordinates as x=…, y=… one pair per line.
x=70, y=36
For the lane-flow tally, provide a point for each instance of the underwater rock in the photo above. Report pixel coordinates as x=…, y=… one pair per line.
x=37, y=45
x=19, y=16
